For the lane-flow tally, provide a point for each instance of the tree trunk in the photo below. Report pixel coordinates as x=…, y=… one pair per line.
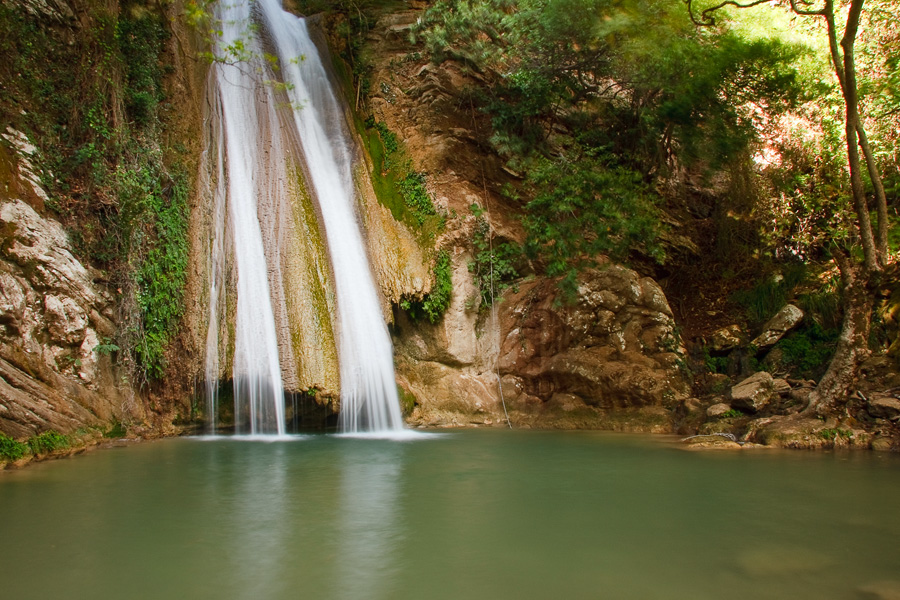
x=881, y=236
x=852, y=126
x=852, y=346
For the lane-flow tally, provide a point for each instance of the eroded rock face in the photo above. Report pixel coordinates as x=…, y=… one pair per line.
x=51, y=323
x=552, y=364
x=615, y=347
x=609, y=360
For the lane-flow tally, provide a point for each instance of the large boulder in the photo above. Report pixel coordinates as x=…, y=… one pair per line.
x=784, y=320
x=615, y=346
x=884, y=406
x=754, y=393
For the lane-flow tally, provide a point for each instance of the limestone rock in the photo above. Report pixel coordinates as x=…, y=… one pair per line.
x=753, y=393
x=565, y=402
x=615, y=347
x=717, y=410
x=781, y=387
x=881, y=444
x=12, y=301
x=884, y=406
x=50, y=312
x=786, y=319
x=726, y=339
x=693, y=406
x=66, y=321
x=53, y=9
x=41, y=247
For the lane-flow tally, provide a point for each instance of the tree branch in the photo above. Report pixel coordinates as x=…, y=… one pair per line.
x=707, y=20
x=795, y=6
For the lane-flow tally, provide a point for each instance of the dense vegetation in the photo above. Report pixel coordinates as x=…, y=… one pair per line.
x=614, y=111
x=97, y=126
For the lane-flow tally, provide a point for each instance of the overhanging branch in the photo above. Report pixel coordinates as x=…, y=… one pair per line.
x=707, y=20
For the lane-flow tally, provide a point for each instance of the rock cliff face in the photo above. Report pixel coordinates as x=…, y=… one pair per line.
x=609, y=359
x=55, y=322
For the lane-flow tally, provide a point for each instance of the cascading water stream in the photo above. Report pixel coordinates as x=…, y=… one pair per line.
x=256, y=146
x=258, y=390
x=369, y=399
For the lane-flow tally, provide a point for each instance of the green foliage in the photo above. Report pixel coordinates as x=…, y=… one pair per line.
x=49, y=441
x=767, y=297
x=808, y=350
x=598, y=102
x=141, y=42
x=715, y=364
x=583, y=207
x=106, y=347
x=494, y=267
x=162, y=273
x=407, y=401
x=412, y=188
x=396, y=184
x=388, y=138
x=731, y=414
x=691, y=94
x=437, y=301
x=833, y=433
x=116, y=431
x=125, y=208
x=10, y=449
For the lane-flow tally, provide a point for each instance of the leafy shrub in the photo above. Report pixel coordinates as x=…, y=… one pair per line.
x=493, y=268
x=10, y=449
x=808, y=350
x=583, y=207
x=436, y=302
x=49, y=441
x=715, y=364
x=412, y=188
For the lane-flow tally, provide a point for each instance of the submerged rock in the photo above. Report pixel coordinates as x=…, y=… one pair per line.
x=881, y=590
x=777, y=560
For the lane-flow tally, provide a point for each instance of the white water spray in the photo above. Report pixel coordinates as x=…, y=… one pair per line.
x=244, y=108
x=255, y=164
x=369, y=399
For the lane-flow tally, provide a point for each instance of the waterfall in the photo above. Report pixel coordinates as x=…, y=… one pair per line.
x=257, y=140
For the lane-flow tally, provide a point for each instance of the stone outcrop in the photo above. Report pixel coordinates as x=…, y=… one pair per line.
x=754, y=393
x=614, y=347
x=726, y=338
x=884, y=406
x=610, y=359
x=552, y=363
x=784, y=320
x=53, y=319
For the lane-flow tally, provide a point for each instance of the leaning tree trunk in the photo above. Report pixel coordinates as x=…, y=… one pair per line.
x=853, y=343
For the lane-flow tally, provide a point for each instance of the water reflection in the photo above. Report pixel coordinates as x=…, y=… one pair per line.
x=369, y=528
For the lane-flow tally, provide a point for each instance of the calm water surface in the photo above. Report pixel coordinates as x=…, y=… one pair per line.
x=468, y=515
